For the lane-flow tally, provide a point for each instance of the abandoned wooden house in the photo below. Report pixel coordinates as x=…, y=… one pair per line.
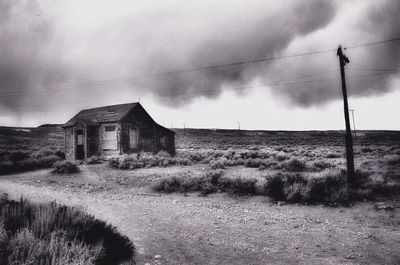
x=115, y=130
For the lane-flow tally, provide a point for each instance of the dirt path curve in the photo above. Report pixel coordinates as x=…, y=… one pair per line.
x=224, y=230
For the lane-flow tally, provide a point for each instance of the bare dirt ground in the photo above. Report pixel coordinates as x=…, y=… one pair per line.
x=218, y=229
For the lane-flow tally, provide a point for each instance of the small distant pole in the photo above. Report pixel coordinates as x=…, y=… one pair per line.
x=172, y=125
x=343, y=60
x=354, y=123
x=238, y=124
x=184, y=128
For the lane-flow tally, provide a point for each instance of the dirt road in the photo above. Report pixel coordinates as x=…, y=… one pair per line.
x=220, y=229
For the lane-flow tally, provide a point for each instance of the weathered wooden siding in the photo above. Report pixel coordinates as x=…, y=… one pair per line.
x=165, y=140
x=151, y=137
x=146, y=128
x=108, y=153
x=69, y=143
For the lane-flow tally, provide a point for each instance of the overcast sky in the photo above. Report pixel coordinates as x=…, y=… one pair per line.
x=58, y=57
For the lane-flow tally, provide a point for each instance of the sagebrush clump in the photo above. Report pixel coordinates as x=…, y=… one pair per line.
x=65, y=167
x=56, y=234
x=23, y=160
x=93, y=160
x=142, y=160
x=322, y=187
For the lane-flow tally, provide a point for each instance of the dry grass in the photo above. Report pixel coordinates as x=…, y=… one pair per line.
x=325, y=186
x=55, y=234
x=65, y=167
x=24, y=160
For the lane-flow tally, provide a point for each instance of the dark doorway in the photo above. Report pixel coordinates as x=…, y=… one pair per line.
x=80, y=150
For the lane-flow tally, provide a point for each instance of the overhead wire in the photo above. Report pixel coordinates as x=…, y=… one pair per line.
x=115, y=81
x=205, y=92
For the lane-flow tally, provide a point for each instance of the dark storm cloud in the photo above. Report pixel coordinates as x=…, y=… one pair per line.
x=261, y=34
x=304, y=81
x=41, y=50
x=27, y=58
x=365, y=75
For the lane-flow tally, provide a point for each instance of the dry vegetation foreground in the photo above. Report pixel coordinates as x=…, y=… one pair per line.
x=219, y=228
x=215, y=202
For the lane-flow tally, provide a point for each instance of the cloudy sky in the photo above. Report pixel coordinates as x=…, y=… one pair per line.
x=58, y=57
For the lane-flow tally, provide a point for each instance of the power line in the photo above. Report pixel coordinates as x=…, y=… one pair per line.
x=294, y=78
x=373, y=43
x=373, y=70
x=274, y=83
x=144, y=76
x=204, y=68
x=213, y=91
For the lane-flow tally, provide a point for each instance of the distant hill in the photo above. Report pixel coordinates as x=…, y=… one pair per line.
x=44, y=135
x=51, y=135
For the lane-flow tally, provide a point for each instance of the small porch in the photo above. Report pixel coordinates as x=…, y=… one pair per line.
x=84, y=140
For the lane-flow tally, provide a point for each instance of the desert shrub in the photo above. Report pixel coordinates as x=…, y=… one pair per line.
x=27, y=249
x=27, y=159
x=28, y=163
x=46, y=161
x=217, y=164
x=43, y=152
x=281, y=157
x=56, y=234
x=60, y=154
x=65, y=167
x=187, y=183
x=333, y=155
x=294, y=165
x=177, y=183
x=393, y=159
x=196, y=157
x=252, y=154
x=366, y=150
x=255, y=163
x=93, y=160
x=134, y=161
x=230, y=155
x=274, y=186
x=262, y=167
x=209, y=182
x=371, y=186
x=238, y=185
x=31, y=163
x=163, y=153
x=218, y=154
x=321, y=165
x=114, y=162
x=234, y=162
x=295, y=192
x=16, y=156
x=182, y=161
x=328, y=186
x=6, y=166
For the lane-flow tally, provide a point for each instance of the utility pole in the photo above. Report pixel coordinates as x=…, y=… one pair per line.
x=343, y=60
x=239, y=125
x=354, y=123
x=184, y=128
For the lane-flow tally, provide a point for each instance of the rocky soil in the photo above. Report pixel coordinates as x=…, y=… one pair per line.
x=221, y=229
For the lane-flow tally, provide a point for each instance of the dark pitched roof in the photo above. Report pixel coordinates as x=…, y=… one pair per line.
x=98, y=115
